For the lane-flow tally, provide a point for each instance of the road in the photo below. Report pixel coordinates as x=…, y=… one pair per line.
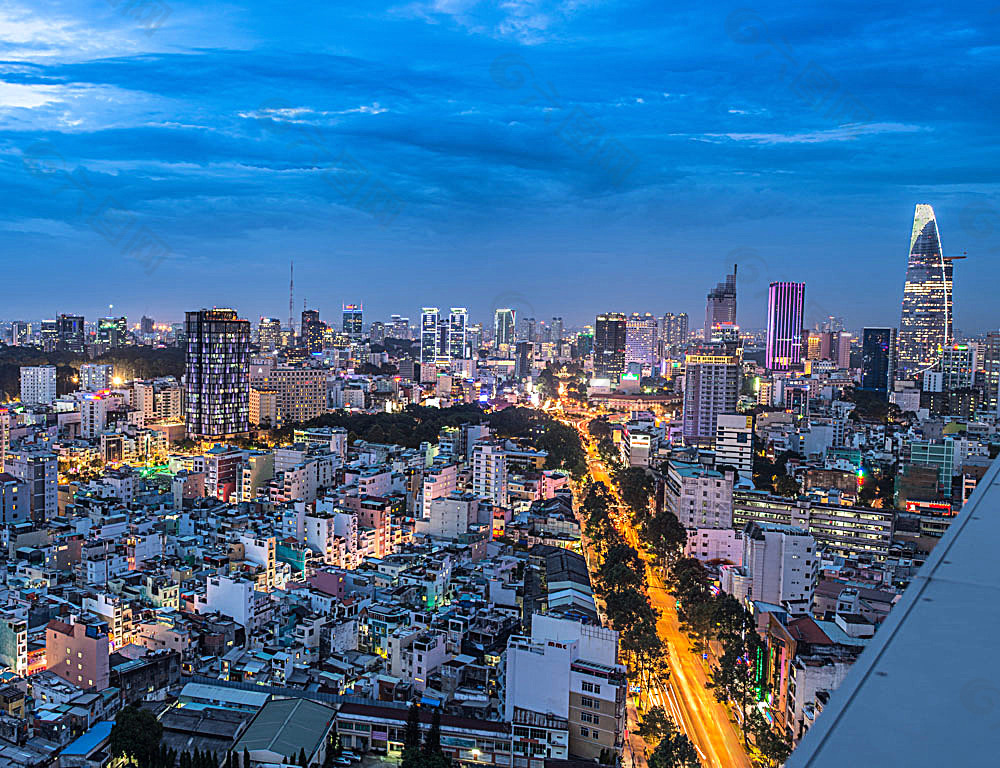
x=685, y=695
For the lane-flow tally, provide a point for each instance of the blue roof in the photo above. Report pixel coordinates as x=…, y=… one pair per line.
x=91, y=740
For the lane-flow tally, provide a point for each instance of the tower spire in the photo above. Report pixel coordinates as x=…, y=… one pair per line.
x=291, y=296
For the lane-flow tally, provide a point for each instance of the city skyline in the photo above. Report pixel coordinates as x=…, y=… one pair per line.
x=109, y=124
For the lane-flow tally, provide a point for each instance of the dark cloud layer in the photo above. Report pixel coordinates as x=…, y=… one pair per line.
x=575, y=155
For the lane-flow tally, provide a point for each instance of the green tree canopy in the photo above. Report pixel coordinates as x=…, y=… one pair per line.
x=136, y=736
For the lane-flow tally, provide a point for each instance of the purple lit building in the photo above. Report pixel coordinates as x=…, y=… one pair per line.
x=785, y=311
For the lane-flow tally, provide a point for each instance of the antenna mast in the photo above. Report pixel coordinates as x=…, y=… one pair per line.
x=291, y=296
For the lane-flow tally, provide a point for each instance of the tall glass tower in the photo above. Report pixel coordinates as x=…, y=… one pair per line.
x=925, y=323
x=503, y=326
x=785, y=313
x=217, y=373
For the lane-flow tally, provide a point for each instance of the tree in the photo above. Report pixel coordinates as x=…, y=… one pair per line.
x=246, y=758
x=665, y=536
x=432, y=756
x=635, y=486
x=655, y=725
x=786, y=485
x=303, y=760
x=411, y=738
x=736, y=676
x=598, y=428
x=773, y=746
x=621, y=569
x=674, y=751
x=432, y=741
x=136, y=735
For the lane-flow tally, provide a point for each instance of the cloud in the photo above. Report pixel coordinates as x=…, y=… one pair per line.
x=841, y=133
x=529, y=22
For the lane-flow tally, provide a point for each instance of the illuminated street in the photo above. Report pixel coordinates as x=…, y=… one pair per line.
x=685, y=696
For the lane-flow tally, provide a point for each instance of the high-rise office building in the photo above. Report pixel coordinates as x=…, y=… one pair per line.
x=785, y=312
x=609, y=346
x=720, y=306
x=474, y=338
x=71, y=333
x=353, y=321
x=556, y=330
x=217, y=373
x=429, y=319
x=526, y=329
x=640, y=339
x=673, y=331
x=146, y=326
x=524, y=359
x=503, y=326
x=49, y=333
x=957, y=366
x=711, y=388
x=458, y=321
x=112, y=332
x=925, y=324
x=311, y=330
x=990, y=355
x=377, y=334
x=878, y=359
x=399, y=327
x=269, y=333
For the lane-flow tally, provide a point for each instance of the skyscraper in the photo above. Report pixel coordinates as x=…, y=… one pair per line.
x=556, y=330
x=609, y=346
x=958, y=366
x=990, y=353
x=503, y=326
x=640, y=339
x=785, y=311
x=526, y=329
x=925, y=325
x=353, y=320
x=400, y=327
x=112, y=332
x=71, y=333
x=311, y=330
x=458, y=320
x=711, y=388
x=673, y=332
x=523, y=359
x=217, y=373
x=429, y=317
x=878, y=359
x=269, y=333
x=720, y=306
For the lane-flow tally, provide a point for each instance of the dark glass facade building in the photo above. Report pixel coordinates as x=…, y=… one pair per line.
x=71, y=333
x=216, y=375
x=312, y=330
x=878, y=359
x=609, y=346
x=353, y=320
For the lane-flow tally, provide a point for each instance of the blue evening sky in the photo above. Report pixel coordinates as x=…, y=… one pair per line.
x=562, y=158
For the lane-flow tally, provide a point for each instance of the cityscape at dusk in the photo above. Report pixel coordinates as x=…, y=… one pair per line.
x=531, y=384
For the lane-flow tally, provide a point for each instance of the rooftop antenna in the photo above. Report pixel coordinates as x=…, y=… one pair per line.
x=291, y=296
